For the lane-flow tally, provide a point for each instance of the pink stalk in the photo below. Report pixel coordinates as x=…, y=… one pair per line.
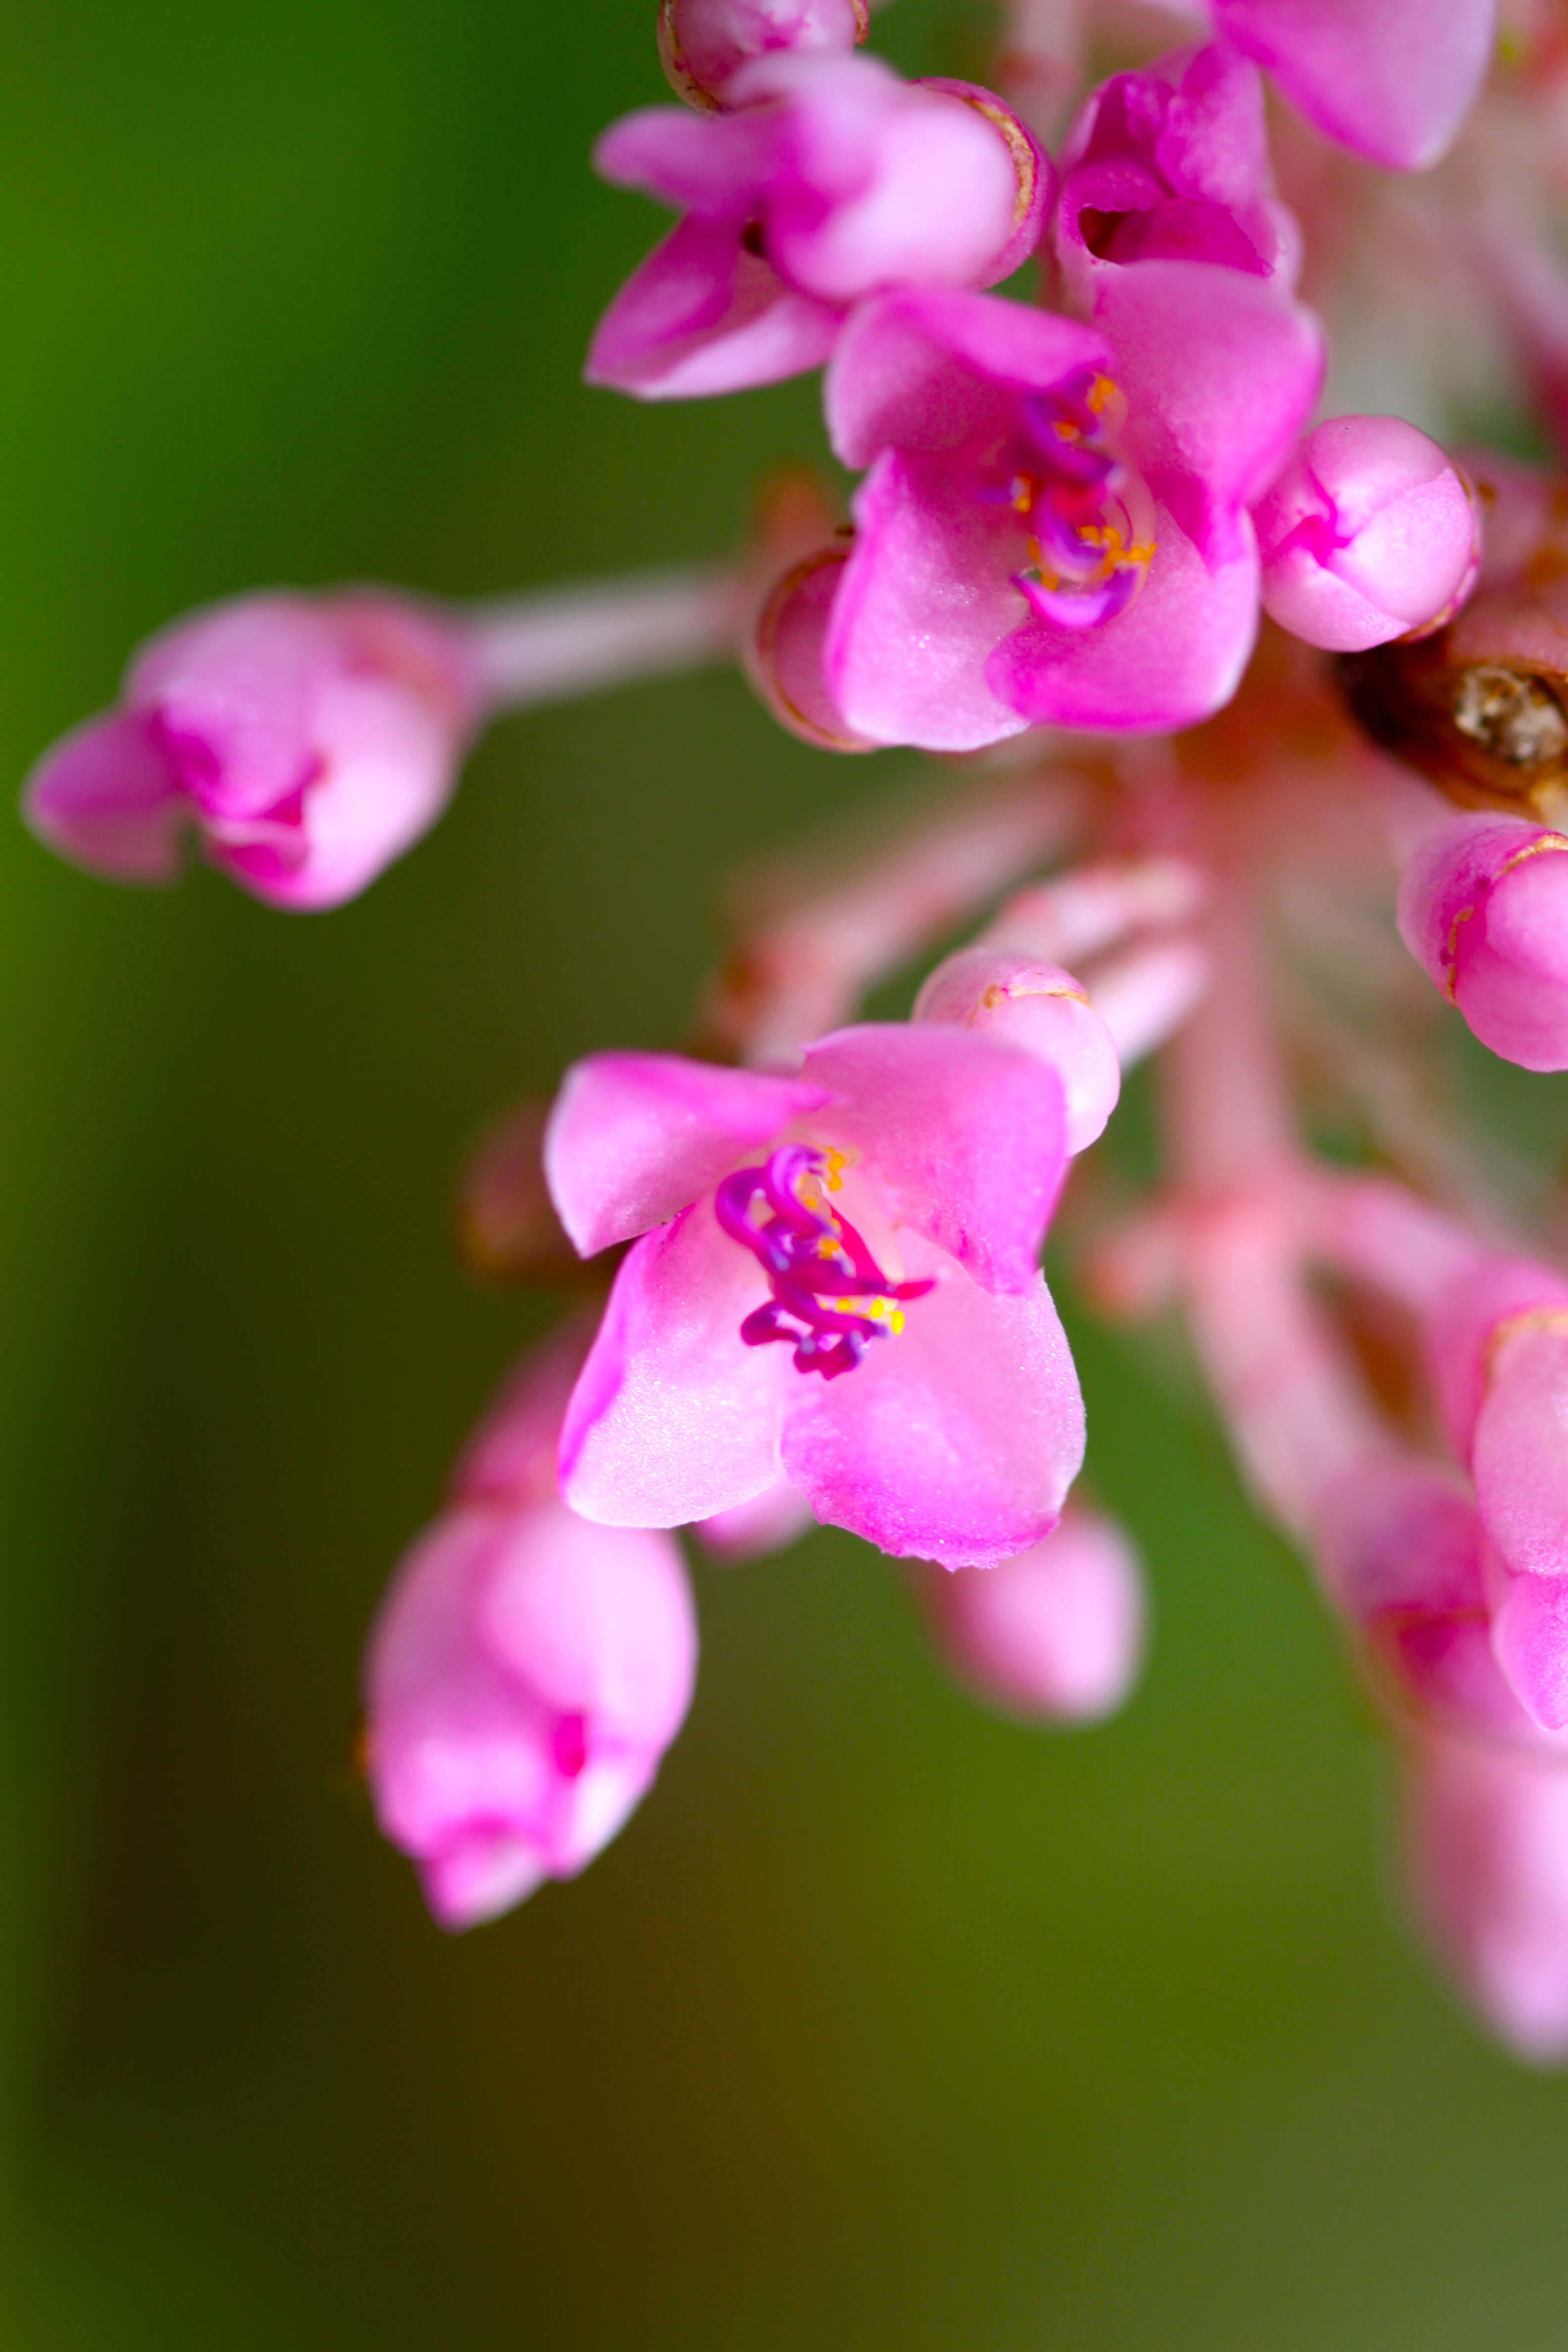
x=805, y=962
x=1144, y=996
x=559, y=642
x=1096, y=906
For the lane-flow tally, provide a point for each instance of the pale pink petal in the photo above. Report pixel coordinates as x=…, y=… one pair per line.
x=1056, y=1634
x=1529, y=1636
x=703, y=316
x=1519, y=1452
x=769, y=1522
x=510, y=1457
x=930, y=369
x=954, y=1442
x=926, y=597
x=1173, y=658
x=234, y=691
x=693, y=163
x=1220, y=371
x=675, y=1418
x=1393, y=79
x=104, y=797
x=634, y=1137
x=970, y=1133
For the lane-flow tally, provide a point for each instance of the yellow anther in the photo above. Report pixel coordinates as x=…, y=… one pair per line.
x=836, y=1163
x=846, y=1306
x=896, y=1321
x=1066, y=432
x=1024, y=489
x=877, y=1310
x=827, y=1247
x=1101, y=394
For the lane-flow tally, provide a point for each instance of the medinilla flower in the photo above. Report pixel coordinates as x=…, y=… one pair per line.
x=830, y=180
x=1053, y=527
x=835, y=1281
x=703, y=43
x=1391, y=79
x=1172, y=165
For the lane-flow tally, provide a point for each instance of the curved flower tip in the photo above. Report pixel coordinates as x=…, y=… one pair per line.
x=1172, y=165
x=1042, y=1009
x=1486, y=1851
x=1055, y=1635
x=1392, y=81
x=786, y=656
x=1054, y=527
x=830, y=180
x=1483, y=908
x=305, y=742
x=856, y=1307
x=523, y=1679
x=1368, y=534
x=702, y=44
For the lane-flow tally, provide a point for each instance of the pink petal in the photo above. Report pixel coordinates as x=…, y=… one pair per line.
x=926, y=598
x=710, y=164
x=1529, y=1636
x=703, y=316
x=1520, y=1453
x=634, y=1137
x=1173, y=656
x=598, y=1621
x=234, y=691
x=1392, y=80
x=771, y=1522
x=510, y=1457
x=104, y=797
x=1220, y=371
x=930, y=369
x=675, y=1418
x=956, y=1441
x=968, y=1130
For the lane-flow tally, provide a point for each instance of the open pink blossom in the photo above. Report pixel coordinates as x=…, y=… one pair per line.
x=305, y=741
x=1055, y=1634
x=1483, y=906
x=831, y=180
x=527, y=1670
x=1487, y=1845
x=837, y=1281
x=1172, y=165
x=703, y=43
x=1054, y=527
x=1368, y=534
x=1391, y=79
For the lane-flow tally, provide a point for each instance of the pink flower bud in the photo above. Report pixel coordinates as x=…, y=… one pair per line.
x=1487, y=1842
x=306, y=741
x=702, y=42
x=1483, y=906
x=506, y=1220
x=785, y=655
x=769, y=1522
x=1368, y=534
x=1041, y=1008
x=1055, y=1634
x=525, y=1675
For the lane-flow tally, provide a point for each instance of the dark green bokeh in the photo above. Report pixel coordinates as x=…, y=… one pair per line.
x=885, y=2023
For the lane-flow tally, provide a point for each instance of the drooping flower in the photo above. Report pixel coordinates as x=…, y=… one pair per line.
x=527, y=1670
x=1053, y=527
x=1369, y=533
x=1392, y=80
x=1055, y=1635
x=1172, y=165
x=703, y=43
x=835, y=1281
x=831, y=180
x=305, y=742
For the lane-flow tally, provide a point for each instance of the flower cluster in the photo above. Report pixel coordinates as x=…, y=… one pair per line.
x=1235, y=687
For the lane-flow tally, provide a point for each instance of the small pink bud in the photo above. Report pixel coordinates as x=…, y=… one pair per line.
x=524, y=1677
x=1487, y=1842
x=1368, y=534
x=306, y=741
x=702, y=42
x=785, y=658
x=1041, y=1008
x=769, y=1522
x=1055, y=1634
x=505, y=1219
x=1483, y=907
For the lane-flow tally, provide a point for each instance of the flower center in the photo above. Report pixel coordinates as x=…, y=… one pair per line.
x=1090, y=518
x=830, y=1298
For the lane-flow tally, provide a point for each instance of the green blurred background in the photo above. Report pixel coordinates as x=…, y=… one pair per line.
x=885, y=2023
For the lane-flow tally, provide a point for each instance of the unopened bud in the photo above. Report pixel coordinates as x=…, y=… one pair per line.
x=702, y=42
x=1368, y=534
x=1483, y=906
x=1041, y=1008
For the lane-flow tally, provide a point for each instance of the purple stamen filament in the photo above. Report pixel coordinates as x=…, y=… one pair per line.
x=830, y=1298
x=1061, y=476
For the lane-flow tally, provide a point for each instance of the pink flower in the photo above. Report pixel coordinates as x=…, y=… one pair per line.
x=1054, y=527
x=1391, y=79
x=1006, y=994
x=836, y=1282
x=702, y=44
x=1055, y=1634
x=1483, y=906
x=306, y=742
x=833, y=180
x=527, y=1670
x=1486, y=1837
x=1368, y=534
x=1172, y=165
